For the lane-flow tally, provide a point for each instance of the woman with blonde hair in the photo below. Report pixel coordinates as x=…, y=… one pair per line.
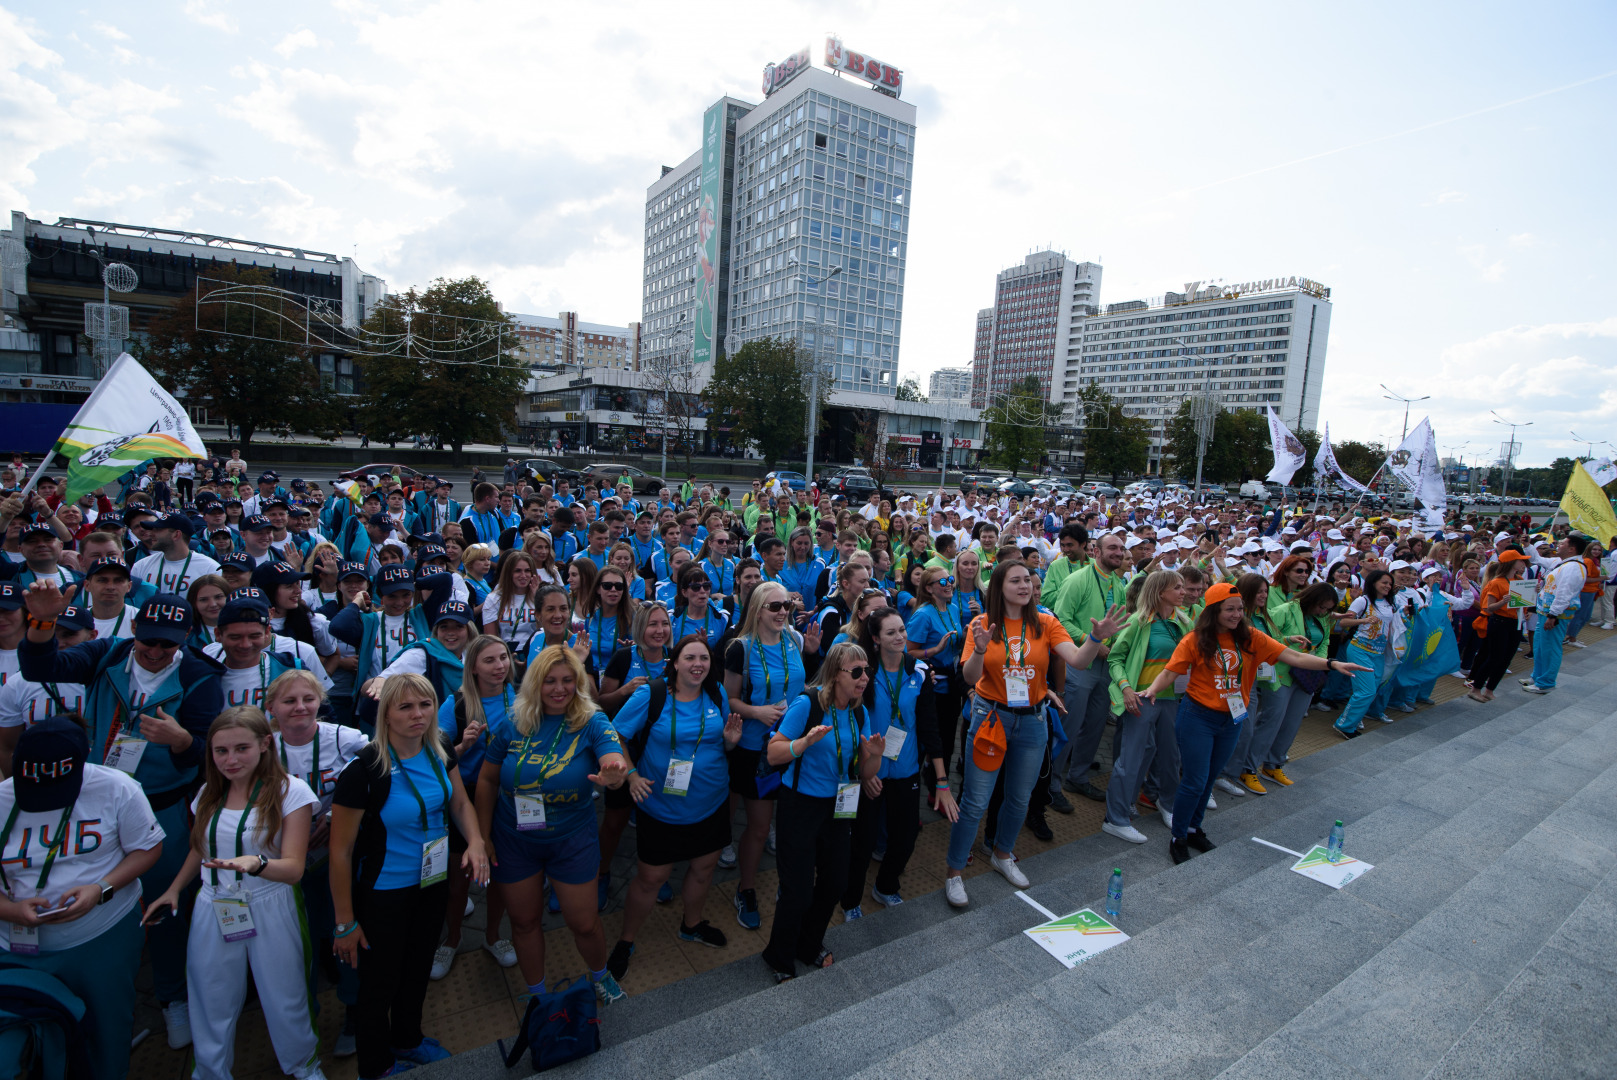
x=249, y=840
x=826, y=751
x=535, y=806
x=475, y=562
x=511, y=611
x=323, y=563
x=390, y=869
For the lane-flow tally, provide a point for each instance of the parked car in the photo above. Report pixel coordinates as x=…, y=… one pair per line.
x=1096, y=487
x=1015, y=487
x=404, y=472
x=1214, y=491
x=971, y=482
x=853, y=486
x=608, y=473
x=1054, y=486
x=794, y=480
x=547, y=471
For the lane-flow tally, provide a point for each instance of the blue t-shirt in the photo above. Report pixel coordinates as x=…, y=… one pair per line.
x=401, y=814
x=829, y=763
x=608, y=634
x=723, y=576
x=906, y=603
x=554, y=763
x=538, y=643
x=909, y=686
x=690, y=731
x=802, y=577
x=928, y=626
x=495, y=709
x=711, y=626
x=770, y=673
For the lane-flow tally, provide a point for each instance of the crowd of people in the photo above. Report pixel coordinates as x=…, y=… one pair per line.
x=284, y=732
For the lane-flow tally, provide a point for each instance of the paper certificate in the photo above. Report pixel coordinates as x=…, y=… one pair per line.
x=1074, y=938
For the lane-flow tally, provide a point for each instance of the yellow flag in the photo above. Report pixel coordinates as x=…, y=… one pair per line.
x=1587, y=507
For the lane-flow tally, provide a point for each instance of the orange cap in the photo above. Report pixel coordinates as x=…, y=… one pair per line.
x=1219, y=593
x=1512, y=555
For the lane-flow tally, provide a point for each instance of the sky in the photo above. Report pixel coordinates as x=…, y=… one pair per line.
x=1445, y=168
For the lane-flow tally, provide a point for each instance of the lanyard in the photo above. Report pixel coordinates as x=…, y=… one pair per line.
x=545, y=762
x=894, y=688
x=1240, y=669
x=179, y=582
x=50, y=852
x=685, y=618
x=836, y=730
x=673, y=724
x=438, y=771
x=785, y=671
x=122, y=612
x=241, y=827
x=596, y=638
x=958, y=622
x=1021, y=653
x=314, y=776
x=1111, y=590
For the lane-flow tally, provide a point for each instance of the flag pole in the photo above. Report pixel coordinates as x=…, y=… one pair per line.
x=95, y=395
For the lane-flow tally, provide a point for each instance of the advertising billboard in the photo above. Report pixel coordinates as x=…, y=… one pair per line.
x=710, y=201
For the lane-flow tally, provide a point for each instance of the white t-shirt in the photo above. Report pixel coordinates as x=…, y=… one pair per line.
x=318, y=762
x=119, y=626
x=298, y=795
x=110, y=819
x=246, y=686
x=173, y=575
x=8, y=665
x=315, y=599
x=519, y=623
x=396, y=634
x=24, y=703
x=324, y=643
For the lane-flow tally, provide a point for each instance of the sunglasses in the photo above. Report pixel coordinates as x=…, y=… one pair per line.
x=610, y=586
x=700, y=586
x=777, y=605
x=857, y=672
x=947, y=582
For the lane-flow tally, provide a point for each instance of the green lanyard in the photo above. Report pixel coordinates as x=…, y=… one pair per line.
x=685, y=618
x=314, y=777
x=1021, y=654
x=785, y=670
x=836, y=730
x=119, y=624
x=1111, y=590
x=406, y=638
x=179, y=582
x=59, y=846
x=438, y=770
x=213, y=830
x=596, y=639
x=545, y=762
x=893, y=688
x=673, y=724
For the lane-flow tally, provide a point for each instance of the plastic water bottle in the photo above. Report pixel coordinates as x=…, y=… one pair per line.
x=1114, y=894
x=1333, y=846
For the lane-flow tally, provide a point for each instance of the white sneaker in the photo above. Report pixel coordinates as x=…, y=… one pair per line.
x=1167, y=815
x=1123, y=832
x=442, y=959
x=1226, y=785
x=954, y=890
x=177, y=1018
x=470, y=907
x=1608, y=626
x=504, y=953
x=314, y=1074
x=727, y=857
x=1008, y=870
x=1212, y=803
x=1577, y=645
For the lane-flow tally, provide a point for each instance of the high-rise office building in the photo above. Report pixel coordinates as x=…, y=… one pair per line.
x=1038, y=308
x=791, y=221
x=950, y=384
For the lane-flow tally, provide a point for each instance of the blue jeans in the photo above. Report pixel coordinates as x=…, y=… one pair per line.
x=1586, y=608
x=1206, y=740
x=1026, y=735
x=1365, y=684
x=1547, y=648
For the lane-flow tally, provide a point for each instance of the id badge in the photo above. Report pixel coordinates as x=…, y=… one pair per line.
x=531, y=812
x=1266, y=671
x=847, y=801
x=1237, y=704
x=1016, y=692
x=435, y=861
x=895, y=742
x=234, y=917
x=678, y=780
x=125, y=753
x=24, y=940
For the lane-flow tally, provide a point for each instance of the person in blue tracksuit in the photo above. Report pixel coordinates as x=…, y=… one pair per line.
x=149, y=702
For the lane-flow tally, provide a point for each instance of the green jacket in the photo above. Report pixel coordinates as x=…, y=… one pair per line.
x=1084, y=597
x=1127, y=658
x=1059, y=571
x=1283, y=619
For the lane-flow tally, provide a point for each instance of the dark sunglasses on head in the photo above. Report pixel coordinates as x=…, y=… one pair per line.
x=612, y=586
x=857, y=672
x=777, y=605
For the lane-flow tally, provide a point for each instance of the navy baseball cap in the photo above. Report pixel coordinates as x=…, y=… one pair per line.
x=453, y=610
x=48, y=764
x=380, y=520
x=428, y=552
x=351, y=569
x=269, y=575
x=440, y=482
x=256, y=523
x=178, y=522
x=244, y=609
x=165, y=617
x=75, y=617
x=11, y=596
x=237, y=560
x=299, y=485
x=300, y=511
x=392, y=578
x=107, y=562
x=37, y=528
x=268, y=477
x=277, y=501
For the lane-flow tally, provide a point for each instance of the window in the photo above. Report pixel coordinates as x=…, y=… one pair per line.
x=819, y=140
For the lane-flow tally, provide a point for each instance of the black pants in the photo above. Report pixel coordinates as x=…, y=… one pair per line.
x=899, y=802
x=1498, y=648
x=184, y=487
x=950, y=725
x=1037, y=803
x=401, y=926
x=1470, y=644
x=811, y=854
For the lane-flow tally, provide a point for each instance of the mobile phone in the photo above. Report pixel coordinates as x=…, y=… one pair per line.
x=57, y=910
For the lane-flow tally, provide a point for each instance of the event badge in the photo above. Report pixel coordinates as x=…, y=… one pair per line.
x=678, y=780
x=895, y=742
x=847, y=801
x=125, y=753
x=24, y=940
x=1016, y=688
x=434, y=861
x=531, y=812
x=1237, y=704
x=234, y=918
x=1266, y=671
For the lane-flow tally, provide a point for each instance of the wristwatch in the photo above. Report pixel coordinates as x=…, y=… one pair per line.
x=107, y=892
x=262, y=863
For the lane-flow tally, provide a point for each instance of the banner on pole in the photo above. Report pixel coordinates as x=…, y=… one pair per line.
x=1587, y=508
x=1326, y=467
x=128, y=420
x=1290, y=454
x=1416, y=463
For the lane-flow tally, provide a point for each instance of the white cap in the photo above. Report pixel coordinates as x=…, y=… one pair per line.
x=1501, y=536
x=1132, y=541
x=1251, y=547
x=1164, y=534
x=1399, y=564
x=1335, y=534
x=1302, y=545
x=1430, y=571
x=1288, y=530
x=1187, y=543
x=1271, y=545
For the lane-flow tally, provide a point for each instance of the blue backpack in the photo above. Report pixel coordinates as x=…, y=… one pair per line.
x=40, y=1032
x=559, y=1027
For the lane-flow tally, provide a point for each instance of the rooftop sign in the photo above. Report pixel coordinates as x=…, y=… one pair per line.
x=778, y=75
x=883, y=77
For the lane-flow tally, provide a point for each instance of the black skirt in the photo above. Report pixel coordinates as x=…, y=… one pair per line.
x=658, y=843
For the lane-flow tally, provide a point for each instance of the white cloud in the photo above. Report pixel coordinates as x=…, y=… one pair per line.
x=298, y=39
x=206, y=13
x=1446, y=197
x=1477, y=255
x=107, y=30
x=1523, y=240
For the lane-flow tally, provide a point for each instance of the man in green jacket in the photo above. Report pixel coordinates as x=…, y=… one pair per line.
x=1074, y=540
x=1086, y=595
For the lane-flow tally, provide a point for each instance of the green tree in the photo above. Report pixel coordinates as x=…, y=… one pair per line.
x=1016, y=422
x=1358, y=459
x=762, y=391
x=909, y=390
x=454, y=373
x=1114, y=443
x=1238, y=449
x=242, y=361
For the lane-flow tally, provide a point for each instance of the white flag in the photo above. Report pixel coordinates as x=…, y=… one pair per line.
x=1326, y=467
x=1416, y=463
x=1603, y=471
x=1289, y=451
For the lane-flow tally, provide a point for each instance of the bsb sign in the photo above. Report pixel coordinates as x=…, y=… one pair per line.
x=778, y=75
x=883, y=77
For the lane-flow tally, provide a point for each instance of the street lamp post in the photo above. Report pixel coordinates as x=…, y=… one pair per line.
x=1510, y=449
x=1589, y=450
x=814, y=399
x=1391, y=396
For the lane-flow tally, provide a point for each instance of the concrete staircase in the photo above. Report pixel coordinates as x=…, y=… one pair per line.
x=1482, y=944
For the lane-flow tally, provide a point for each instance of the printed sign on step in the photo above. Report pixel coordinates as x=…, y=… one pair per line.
x=1074, y=938
x=1315, y=865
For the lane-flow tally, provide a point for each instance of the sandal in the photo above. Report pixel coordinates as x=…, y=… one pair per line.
x=1474, y=697
x=823, y=960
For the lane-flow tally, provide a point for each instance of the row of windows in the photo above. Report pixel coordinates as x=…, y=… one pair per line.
x=1215, y=324
x=1206, y=313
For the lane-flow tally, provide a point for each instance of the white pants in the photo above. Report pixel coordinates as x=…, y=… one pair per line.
x=1604, y=608
x=216, y=979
